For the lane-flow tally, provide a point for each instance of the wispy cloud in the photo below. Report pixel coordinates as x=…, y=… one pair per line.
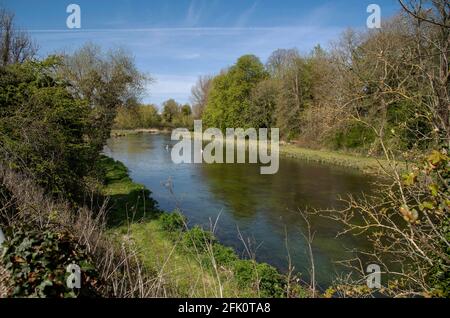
x=246, y=15
x=194, y=13
x=175, y=57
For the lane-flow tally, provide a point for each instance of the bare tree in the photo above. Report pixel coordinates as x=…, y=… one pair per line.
x=199, y=95
x=15, y=46
x=431, y=19
x=404, y=63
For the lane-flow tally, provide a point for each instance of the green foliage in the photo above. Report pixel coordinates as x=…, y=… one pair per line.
x=406, y=128
x=107, y=81
x=263, y=104
x=173, y=222
x=354, y=135
x=176, y=115
x=37, y=261
x=224, y=256
x=42, y=127
x=140, y=116
x=229, y=99
x=129, y=201
x=198, y=239
x=260, y=275
x=430, y=183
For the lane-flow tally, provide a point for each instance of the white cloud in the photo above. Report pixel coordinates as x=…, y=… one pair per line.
x=170, y=86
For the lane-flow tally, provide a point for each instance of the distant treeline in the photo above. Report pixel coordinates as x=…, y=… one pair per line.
x=147, y=116
x=388, y=83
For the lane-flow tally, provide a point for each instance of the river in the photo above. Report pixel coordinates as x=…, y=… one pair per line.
x=262, y=208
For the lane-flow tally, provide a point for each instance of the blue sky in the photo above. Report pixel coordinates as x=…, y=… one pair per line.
x=177, y=40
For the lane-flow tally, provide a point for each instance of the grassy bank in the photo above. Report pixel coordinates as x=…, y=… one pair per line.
x=125, y=132
x=369, y=165
x=190, y=261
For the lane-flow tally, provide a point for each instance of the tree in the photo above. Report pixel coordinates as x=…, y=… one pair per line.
x=137, y=116
x=229, y=100
x=263, y=104
x=431, y=21
x=43, y=127
x=200, y=94
x=186, y=110
x=149, y=117
x=171, y=110
x=394, y=83
x=293, y=75
x=15, y=46
x=106, y=81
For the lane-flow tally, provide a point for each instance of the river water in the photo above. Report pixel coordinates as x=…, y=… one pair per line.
x=263, y=209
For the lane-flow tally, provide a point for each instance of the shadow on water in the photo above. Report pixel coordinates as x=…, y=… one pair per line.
x=263, y=208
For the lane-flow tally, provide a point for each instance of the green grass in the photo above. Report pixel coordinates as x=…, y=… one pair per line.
x=130, y=201
x=368, y=165
x=133, y=215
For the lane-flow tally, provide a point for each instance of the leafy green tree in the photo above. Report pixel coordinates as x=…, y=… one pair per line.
x=186, y=110
x=229, y=102
x=263, y=104
x=171, y=110
x=138, y=116
x=43, y=127
x=107, y=81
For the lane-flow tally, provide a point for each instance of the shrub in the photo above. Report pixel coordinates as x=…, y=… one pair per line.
x=265, y=277
x=173, y=222
x=224, y=256
x=37, y=261
x=198, y=239
x=355, y=135
x=52, y=149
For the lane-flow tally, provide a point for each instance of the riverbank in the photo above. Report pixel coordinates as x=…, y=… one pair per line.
x=189, y=260
x=368, y=165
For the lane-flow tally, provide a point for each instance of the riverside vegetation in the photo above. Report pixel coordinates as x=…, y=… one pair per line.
x=378, y=93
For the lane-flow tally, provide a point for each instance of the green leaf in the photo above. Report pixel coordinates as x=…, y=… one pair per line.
x=434, y=190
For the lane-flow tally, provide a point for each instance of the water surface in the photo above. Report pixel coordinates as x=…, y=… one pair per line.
x=263, y=208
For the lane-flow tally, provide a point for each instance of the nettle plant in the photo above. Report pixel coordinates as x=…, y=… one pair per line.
x=37, y=261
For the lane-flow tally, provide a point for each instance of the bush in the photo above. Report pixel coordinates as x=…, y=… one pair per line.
x=198, y=239
x=224, y=256
x=262, y=275
x=38, y=260
x=355, y=135
x=42, y=128
x=173, y=222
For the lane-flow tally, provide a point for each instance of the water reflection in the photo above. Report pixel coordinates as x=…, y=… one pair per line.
x=263, y=207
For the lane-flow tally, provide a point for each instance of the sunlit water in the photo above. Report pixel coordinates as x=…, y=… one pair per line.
x=263, y=208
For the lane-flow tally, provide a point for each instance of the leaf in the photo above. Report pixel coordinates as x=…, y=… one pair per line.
x=409, y=179
x=434, y=190
x=426, y=205
x=436, y=157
